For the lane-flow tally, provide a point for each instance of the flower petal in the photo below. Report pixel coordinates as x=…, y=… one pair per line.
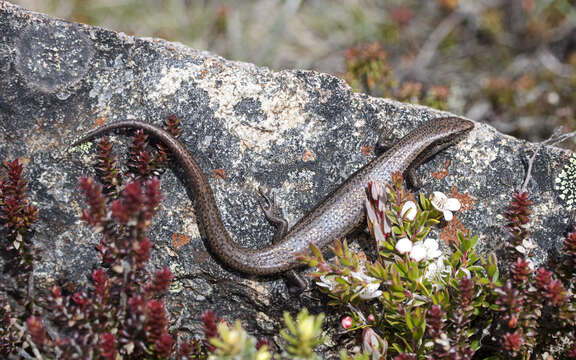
x=447, y=215
x=521, y=249
x=528, y=244
x=418, y=252
x=452, y=204
x=440, y=196
x=409, y=210
x=404, y=246
x=438, y=200
x=430, y=255
x=370, y=212
x=370, y=291
x=358, y=275
x=379, y=235
x=431, y=244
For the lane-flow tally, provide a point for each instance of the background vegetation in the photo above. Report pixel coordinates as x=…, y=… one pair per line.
x=508, y=63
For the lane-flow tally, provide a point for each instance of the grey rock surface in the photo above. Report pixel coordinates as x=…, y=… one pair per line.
x=297, y=133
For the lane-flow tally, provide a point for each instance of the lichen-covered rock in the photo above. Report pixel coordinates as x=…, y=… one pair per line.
x=297, y=133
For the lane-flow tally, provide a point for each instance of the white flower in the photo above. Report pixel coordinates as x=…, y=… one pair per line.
x=327, y=281
x=435, y=268
x=362, y=277
x=404, y=246
x=445, y=204
x=418, y=252
x=370, y=291
x=432, y=251
x=526, y=247
x=359, y=275
x=409, y=211
x=443, y=341
x=427, y=249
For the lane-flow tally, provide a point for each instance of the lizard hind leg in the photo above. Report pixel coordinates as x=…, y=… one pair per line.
x=412, y=179
x=295, y=282
x=385, y=141
x=273, y=215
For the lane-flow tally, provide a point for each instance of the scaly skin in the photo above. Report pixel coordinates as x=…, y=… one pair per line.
x=332, y=219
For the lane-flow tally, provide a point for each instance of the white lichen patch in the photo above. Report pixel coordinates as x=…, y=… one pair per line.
x=479, y=154
x=298, y=181
x=190, y=227
x=543, y=208
x=83, y=147
x=259, y=288
x=565, y=184
x=171, y=81
x=360, y=123
x=178, y=271
x=281, y=99
x=55, y=182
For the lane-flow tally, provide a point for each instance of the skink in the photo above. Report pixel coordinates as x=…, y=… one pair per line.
x=332, y=219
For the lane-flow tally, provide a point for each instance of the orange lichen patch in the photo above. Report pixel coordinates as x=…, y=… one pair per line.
x=220, y=174
x=366, y=150
x=465, y=200
x=100, y=121
x=450, y=231
x=22, y=160
x=179, y=240
x=308, y=156
x=442, y=173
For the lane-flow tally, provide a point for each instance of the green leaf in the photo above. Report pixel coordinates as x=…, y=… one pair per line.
x=408, y=319
x=422, y=199
x=483, y=281
x=474, y=240
x=397, y=348
x=460, y=237
x=423, y=233
x=317, y=253
x=476, y=268
x=289, y=322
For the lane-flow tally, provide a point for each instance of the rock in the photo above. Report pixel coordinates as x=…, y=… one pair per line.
x=298, y=133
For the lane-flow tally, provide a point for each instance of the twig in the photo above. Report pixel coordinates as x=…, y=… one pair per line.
x=357, y=312
x=552, y=140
